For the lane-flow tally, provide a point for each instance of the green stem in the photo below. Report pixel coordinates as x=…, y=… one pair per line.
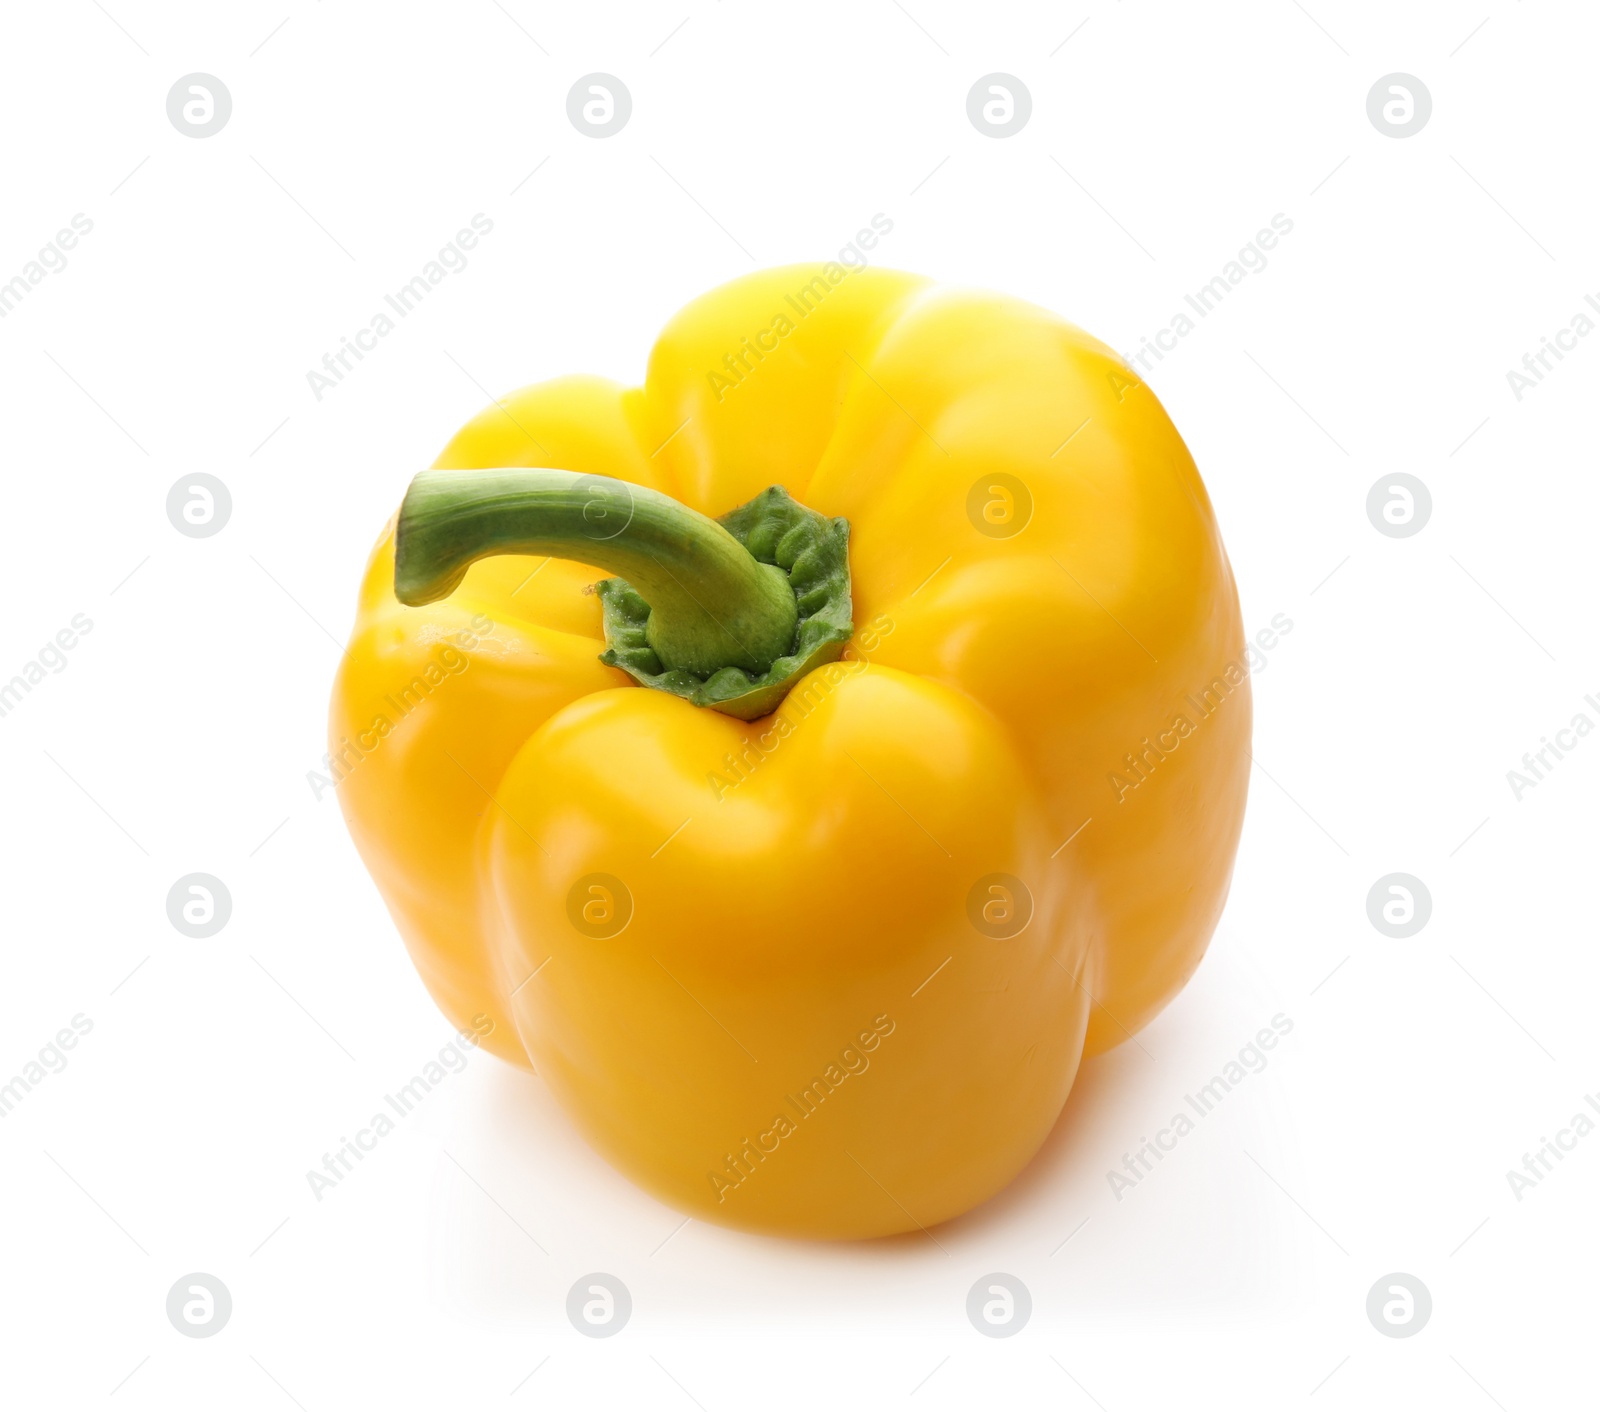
x=712, y=604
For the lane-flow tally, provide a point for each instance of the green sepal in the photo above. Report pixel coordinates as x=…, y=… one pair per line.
x=811, y=549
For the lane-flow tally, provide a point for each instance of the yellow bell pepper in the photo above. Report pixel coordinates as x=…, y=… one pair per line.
x=807, y=855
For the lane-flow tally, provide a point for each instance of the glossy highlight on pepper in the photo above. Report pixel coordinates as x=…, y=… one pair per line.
x=797, y=809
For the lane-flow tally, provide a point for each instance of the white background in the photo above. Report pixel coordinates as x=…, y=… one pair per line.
x=179, y=735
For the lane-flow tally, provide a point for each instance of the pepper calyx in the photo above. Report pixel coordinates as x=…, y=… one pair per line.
x=811, y=550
